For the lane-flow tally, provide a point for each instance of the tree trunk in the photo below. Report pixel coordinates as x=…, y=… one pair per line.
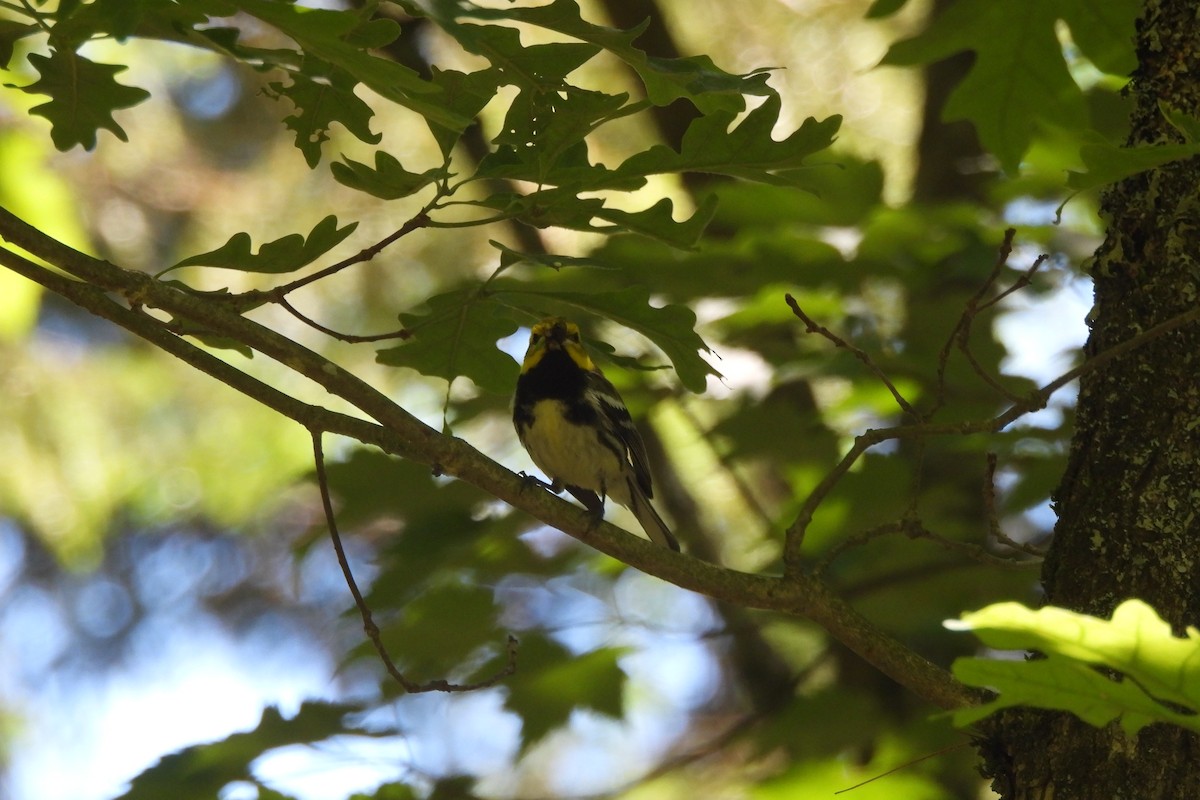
x=1128, y=524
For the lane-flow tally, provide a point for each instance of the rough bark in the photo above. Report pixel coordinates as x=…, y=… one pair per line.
x=1128, y=523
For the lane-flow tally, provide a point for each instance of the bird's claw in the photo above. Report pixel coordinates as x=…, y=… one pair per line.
x=533, y=480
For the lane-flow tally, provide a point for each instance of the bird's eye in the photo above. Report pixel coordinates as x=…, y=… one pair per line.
x=534, y=337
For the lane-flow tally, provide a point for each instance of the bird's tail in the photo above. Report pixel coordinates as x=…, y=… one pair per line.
x=651, y=522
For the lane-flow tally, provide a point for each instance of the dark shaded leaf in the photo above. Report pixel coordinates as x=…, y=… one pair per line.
x=671, y=328
x=551, y=682
x=508, y=257
x=658, y=222
x=83, y=95
x=10, y=32
x=200, y=772
x=457, y=337
x=282, y=255
x=1020, y=77
x=387, y=180
x=388, y=791
x=696, y=78
x=438, y=630
x=747, y=151
x=337, y=38
x=322, y=96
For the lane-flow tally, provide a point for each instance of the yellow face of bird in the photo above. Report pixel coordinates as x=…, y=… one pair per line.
x=555, y=333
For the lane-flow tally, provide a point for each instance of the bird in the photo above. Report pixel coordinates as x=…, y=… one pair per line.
x=576, y=428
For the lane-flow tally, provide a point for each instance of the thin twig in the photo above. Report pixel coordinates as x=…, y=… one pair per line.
x=993, y=517
x=369, y=626
x=941, y=751
x=403, y=333
x=913, y=528
x=1035, y=401
x=811, y=326
x=963, y=337
x=421, y=220
x=1025, y=279
x=969, y=311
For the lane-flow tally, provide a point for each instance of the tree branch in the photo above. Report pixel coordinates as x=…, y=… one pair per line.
x=402, y=434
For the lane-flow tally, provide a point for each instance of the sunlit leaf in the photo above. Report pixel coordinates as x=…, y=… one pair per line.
x=1157, y=666
x=282, y=255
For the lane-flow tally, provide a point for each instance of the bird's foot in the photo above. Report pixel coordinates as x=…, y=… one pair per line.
x=532, y=480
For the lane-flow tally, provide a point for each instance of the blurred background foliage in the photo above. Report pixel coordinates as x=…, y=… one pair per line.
x=164, y=573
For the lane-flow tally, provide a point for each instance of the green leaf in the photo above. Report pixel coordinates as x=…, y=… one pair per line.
x=10, y=32
x=508, y=257
x=549, y=208
x=666, y=80
x=671, y=328
x=387, y=180
x=881, y=9
x=563, y=208
x=1019, y=79
x=201, y=771
x=1108, y=163
x=456, y=788
x=465, y=94
x=322, y=96
x=658, y=221
x=540, y=67
x=83, y=95
x=282, y=255
x=1062, y=686
x=1188, y=126
x=440, y=528
x=1104, y=31
x=545, y=129
x=121, y=19
x=457, y=337
x=388, y=791
x=551, y=683
x=338, y=38
x=425, y=647
x=1156, y=665
x=747, y=151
